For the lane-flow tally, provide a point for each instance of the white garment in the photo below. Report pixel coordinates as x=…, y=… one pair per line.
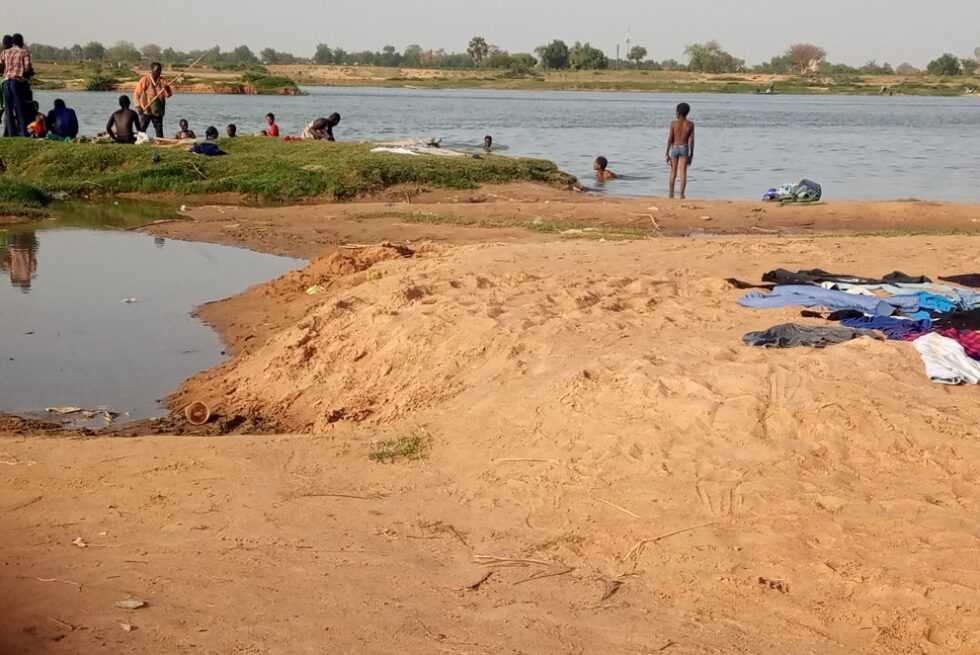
x=946, y=361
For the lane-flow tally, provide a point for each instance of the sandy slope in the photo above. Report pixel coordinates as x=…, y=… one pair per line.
x=589, y=408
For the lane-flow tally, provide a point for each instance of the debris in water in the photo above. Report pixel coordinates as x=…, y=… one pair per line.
x=128, y=301
x=315, y=289
x=128, y=627
x=80, y=543
x=130, y=604
x=63, y=410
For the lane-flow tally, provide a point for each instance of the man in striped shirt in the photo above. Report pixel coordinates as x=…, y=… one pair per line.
x=15, y=64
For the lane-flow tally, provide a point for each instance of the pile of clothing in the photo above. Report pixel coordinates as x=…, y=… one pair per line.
x=942, y=320
x=805, y=191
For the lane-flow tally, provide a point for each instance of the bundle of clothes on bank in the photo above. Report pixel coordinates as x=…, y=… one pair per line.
x=941, y=319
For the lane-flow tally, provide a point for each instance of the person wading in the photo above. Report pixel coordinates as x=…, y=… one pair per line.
x=151, y=96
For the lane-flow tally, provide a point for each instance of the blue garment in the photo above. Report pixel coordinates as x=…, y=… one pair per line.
x=907, y=303
x=679, y=151
x=63, y=122
x=935, y=302
x=810, y=296
x=207, y=149
x=894, y=328
x=13, y=108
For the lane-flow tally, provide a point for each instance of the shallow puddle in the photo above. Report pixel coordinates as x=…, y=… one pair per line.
x=100, y=318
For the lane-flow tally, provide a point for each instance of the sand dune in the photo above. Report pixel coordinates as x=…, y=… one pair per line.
x=591, y=416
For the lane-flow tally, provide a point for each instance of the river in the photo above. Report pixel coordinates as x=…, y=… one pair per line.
x=856, y=147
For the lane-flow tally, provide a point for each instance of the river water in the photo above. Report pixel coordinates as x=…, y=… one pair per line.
x=856, y=147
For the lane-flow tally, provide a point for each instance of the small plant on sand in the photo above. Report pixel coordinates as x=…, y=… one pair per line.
x=392, y=450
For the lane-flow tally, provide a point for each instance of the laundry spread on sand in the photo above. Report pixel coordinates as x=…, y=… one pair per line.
x=810, y=296
x=967, y=280
x=789, y=335
x=942, y=320
x=946, y=361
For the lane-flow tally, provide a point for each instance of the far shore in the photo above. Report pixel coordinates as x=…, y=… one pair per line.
x=59, y=76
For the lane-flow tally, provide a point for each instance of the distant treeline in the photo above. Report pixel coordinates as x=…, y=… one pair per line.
x=709, y=57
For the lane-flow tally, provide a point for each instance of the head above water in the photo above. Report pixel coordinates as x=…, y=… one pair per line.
x=231, y=130
x=333, y=119
x=7, y=41
x=600, y=163
x=487, y=141
x=123, y=101
x=683, y=109
x=18, y=40
x=59, y=103
x=211, y=132
x=183, y=124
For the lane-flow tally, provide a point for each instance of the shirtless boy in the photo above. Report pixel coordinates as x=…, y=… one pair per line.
x=123, y=123
x=680, y=147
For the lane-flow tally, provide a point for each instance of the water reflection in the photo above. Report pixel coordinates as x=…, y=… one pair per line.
x=18, y=258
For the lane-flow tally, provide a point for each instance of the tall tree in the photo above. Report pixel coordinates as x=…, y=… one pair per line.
x=805, y=57
x=637, y=54
x=123, y=52
x=947, y=66
x=324, y=55
x=151, y=51
x=710, y=57
x=478, y=49
x=586, y=57
x=412, y=57
x=93, y=51
x=554, y=55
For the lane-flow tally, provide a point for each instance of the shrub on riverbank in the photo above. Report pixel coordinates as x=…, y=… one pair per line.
x=20, y=198
x=265, y=168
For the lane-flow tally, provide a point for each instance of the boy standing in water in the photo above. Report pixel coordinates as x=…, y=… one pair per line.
x=680, y=147
x=602, y=173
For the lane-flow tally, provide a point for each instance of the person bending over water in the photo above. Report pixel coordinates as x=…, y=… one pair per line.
x=123, y=123
x=602, y=173
x=680, y=147
x=322, y=128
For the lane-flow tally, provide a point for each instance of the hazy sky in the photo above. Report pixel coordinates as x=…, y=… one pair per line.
x=852, y=31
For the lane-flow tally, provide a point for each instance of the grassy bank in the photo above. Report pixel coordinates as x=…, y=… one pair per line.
x=267, y=169
x=624, y=80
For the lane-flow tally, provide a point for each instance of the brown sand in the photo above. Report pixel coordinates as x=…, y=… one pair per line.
x=591, y=418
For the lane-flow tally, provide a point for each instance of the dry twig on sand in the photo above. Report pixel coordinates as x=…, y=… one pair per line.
x=621, y=509
x=637, y=550
x=512, y=460
x=326, y=495
x=490, y=560
x=612, y=586
x=541, y=575
x=476, y=585
x=74, y=584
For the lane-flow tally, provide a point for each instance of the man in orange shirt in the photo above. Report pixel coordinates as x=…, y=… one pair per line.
x=151, y=96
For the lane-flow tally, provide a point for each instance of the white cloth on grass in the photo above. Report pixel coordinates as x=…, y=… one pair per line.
x=946, y=361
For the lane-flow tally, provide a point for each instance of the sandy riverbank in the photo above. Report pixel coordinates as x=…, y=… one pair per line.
x=591, y=419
